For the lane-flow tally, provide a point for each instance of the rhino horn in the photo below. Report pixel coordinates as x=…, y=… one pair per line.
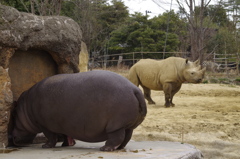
x=203, y=70
x=199, y=67
x=197, y=62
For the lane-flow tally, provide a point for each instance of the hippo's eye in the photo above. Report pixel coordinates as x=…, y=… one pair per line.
x=192, y=73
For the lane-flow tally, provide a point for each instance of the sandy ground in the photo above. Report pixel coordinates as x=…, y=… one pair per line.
x=206, y=116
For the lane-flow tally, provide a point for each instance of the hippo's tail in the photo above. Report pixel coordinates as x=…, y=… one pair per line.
x=142, y=103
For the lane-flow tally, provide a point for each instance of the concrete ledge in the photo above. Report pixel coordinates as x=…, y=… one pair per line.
x=144, y=149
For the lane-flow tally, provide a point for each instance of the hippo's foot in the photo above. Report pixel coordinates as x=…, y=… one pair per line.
x=48, y=145
x=68, y=141
x=151, y=102
x=116, y=139
x=120, y=147
x=107, y=148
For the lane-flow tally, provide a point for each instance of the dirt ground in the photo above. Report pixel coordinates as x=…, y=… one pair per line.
x=205, y=115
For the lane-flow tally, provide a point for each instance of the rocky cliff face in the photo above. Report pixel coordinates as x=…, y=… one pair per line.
x=6, y=99
x=32, y=48
x=60, y=36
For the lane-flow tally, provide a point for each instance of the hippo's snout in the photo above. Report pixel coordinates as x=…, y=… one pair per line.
x=22, y=140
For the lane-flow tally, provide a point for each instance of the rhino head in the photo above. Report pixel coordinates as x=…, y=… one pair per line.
x=193, y=72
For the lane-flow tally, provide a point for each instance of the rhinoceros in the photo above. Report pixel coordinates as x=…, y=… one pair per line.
x=167, y=75
x=91, y=106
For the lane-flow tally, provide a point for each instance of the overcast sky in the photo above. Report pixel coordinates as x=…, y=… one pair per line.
x=156, y=9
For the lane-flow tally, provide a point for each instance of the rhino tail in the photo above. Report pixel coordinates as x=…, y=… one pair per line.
x=142, y=103
x=133, y=77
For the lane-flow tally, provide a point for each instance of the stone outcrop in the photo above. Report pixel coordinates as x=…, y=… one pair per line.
x=6, y=99
x=59, y=36
x=32, y=48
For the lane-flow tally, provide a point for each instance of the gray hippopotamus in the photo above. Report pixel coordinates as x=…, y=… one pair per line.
x=91, y=106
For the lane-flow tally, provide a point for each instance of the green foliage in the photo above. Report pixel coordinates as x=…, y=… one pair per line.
x=107, y=26
x=67, y=9
x=139, y=34
x=97, y=18
x=237, y=79
x=225, y=40
x=21, y=5
x=213, y=80
x=205, y=81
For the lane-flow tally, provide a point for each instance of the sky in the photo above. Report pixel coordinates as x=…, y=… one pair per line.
x=155, y=8
x=148, y=5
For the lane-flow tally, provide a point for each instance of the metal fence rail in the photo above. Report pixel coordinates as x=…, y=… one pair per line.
x=224, y=62
x=130, y=58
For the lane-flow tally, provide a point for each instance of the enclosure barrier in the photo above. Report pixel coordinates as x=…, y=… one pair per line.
x=223, y=62
x=131, y=58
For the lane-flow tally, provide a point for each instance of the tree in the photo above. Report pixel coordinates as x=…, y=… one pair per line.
x=142, y=35
x=38, y=7
x=225, y=41
x=97, y=18
x=233, y=9
x=196, y=28
x=218, y=15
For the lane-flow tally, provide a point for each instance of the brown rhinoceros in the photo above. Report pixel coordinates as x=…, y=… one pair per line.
x=167, y=75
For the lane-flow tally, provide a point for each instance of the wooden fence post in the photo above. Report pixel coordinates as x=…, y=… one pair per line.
x=120, y=59
x=133, y=58
x=238, y=60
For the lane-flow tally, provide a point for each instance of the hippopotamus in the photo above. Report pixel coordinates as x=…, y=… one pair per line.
x=92, y=106
x=167, y=75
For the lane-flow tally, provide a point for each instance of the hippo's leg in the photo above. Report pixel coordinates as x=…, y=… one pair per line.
x=147, y=95
x=115, y=139
x=167, y=88
x=68, y=141
x=51, y=138
x=128, y=135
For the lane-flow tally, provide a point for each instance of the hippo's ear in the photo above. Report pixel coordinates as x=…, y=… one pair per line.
x=186, y=61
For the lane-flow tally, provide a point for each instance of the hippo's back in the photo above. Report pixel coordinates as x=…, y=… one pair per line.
x=97, y=101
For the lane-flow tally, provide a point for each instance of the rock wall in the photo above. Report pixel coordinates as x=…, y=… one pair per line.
x=27, y=68
x=59, y=36
x=32, y=48
x=6, y=100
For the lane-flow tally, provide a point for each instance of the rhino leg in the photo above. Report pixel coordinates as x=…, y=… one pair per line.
x=167, y=88
x=174, y=91
x=128, y=135
x=170, y=90
x=115, y=139
x=51, y=138
x=147, y=95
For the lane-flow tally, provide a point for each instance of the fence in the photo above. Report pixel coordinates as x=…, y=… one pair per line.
x=227, y=61
x=221, y=62
x=131, y=58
